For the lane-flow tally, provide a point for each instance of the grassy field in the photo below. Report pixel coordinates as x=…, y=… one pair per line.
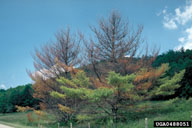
x=177, y=109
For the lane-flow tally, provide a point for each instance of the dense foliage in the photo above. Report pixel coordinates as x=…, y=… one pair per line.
x=109, y=100
x=21, y=96
x=166, y=87
x=178, y=61
x=186, y=84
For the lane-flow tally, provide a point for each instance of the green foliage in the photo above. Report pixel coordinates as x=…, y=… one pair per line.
x=178, y=60
x=186, y=84
x=78, y=80
x=58, y=95
x=21, y=96
x=75, y=92
x=113, y=98
x=124, y=82
x=66, y=82
x=83, y=117
x=20, y=120
x=176, y=109
x=100, y=93
x=81, y=79
x=169, y=85
x=110, y=99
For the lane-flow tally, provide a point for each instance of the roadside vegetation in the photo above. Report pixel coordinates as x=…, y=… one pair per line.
x=175, y=109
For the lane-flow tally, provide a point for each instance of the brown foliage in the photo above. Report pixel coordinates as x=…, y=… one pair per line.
x=39, y=113
x=51, y=62
x=29, y=117
x=96, y=83
x=115, y=39
x=146, y=77
x=23, y=109
x=65, y=50
x=65, y=109
x=42, y=106
x=116, y=47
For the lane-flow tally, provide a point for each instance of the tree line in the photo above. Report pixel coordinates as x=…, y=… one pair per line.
x=21, y=95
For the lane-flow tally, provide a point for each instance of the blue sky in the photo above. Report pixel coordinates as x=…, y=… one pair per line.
x=28, y=24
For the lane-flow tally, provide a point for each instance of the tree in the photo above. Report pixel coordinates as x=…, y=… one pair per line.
x=115, y=39
x=114, y=47
x=104, y=100
x=65, y=50
x=53, y=61
x=148, y=78
x=3, y=103
x=178, y=60
x=27, y=97
x=168, y=86
x=185, y=89
x=21, y=96
x=73, y=91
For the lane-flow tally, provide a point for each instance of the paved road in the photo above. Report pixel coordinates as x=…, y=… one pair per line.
x=4, y=126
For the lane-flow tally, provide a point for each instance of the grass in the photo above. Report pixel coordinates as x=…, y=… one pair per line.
x=20, y=120
x=177, y=109
x=17, y=120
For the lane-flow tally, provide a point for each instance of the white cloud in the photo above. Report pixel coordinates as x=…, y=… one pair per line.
x=2, y=86
x=185, y=16
x=189, y=32
x=181, y=39
x=164, y=11
x=188, y=43
x=186, y=40
x=170, y=24
x=182, y=16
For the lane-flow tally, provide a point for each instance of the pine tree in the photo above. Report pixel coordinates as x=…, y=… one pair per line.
x=74, y=94
x=169, y=85
x=86, y=98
